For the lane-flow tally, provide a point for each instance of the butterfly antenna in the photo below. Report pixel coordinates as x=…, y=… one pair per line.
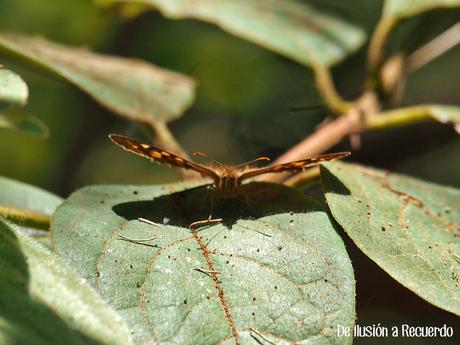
x=201, y=154
x=253, y=161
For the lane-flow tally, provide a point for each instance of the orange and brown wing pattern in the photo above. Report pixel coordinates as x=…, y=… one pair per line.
x=158, y=155
x=295, y=166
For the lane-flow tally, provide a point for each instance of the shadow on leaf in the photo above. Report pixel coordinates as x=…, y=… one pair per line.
x=333, y=185
x=254, y=200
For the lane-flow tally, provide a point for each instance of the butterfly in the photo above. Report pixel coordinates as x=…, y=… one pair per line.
x=226, y=178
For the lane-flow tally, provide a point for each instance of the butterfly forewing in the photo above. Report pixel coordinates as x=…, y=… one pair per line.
x=159, y=155
x=227, y=179
x=295, y=166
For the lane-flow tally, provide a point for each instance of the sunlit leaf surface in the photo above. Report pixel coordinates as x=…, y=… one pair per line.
x=25, y=204
x=410, y=228
x=43, y=302
x=13, y=89
x=274, y=270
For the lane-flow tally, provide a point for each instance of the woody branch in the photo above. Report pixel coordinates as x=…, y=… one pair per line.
x=364, y=113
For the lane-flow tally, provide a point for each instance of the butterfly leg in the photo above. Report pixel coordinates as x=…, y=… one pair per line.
x=209, y=220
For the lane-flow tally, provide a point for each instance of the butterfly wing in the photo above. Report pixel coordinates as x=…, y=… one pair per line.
x=295, y=166
x=160, y=156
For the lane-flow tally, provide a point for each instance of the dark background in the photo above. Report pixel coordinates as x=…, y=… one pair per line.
x=250, y=102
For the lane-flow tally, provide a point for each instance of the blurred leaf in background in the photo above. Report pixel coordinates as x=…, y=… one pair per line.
x=250, y=101
x=55, y=103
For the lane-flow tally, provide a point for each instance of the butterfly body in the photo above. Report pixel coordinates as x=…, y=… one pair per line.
x=226, y=178
x=228, y=181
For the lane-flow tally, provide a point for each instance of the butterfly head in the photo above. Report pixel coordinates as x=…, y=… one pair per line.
x=230, y=176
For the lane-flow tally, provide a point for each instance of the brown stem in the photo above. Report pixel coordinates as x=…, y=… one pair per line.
x=435, y=48
x=318, y=142
x=364, y=113
x=322, y=139
x=354, y=120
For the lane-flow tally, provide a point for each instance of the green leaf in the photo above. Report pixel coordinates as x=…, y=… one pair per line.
x=410, y=228
x=132, y=88
x=444, y=113
x=26, y=205
x=12, y=88
x=14, y=91
x=24, y=123
x=274, y=270
x=400, y=9
x=290, y=28
x=43, y=302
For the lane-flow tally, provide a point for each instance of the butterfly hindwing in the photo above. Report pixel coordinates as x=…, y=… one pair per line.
x=159, y=155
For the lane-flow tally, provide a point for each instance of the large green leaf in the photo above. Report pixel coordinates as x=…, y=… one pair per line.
x=25, y=204
x=24, y=123
x=400, y=9
x=410, y=228
x=132, y=88
x=275, y=270
x=12, y=88
x=288, y=27
x=43, y=302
